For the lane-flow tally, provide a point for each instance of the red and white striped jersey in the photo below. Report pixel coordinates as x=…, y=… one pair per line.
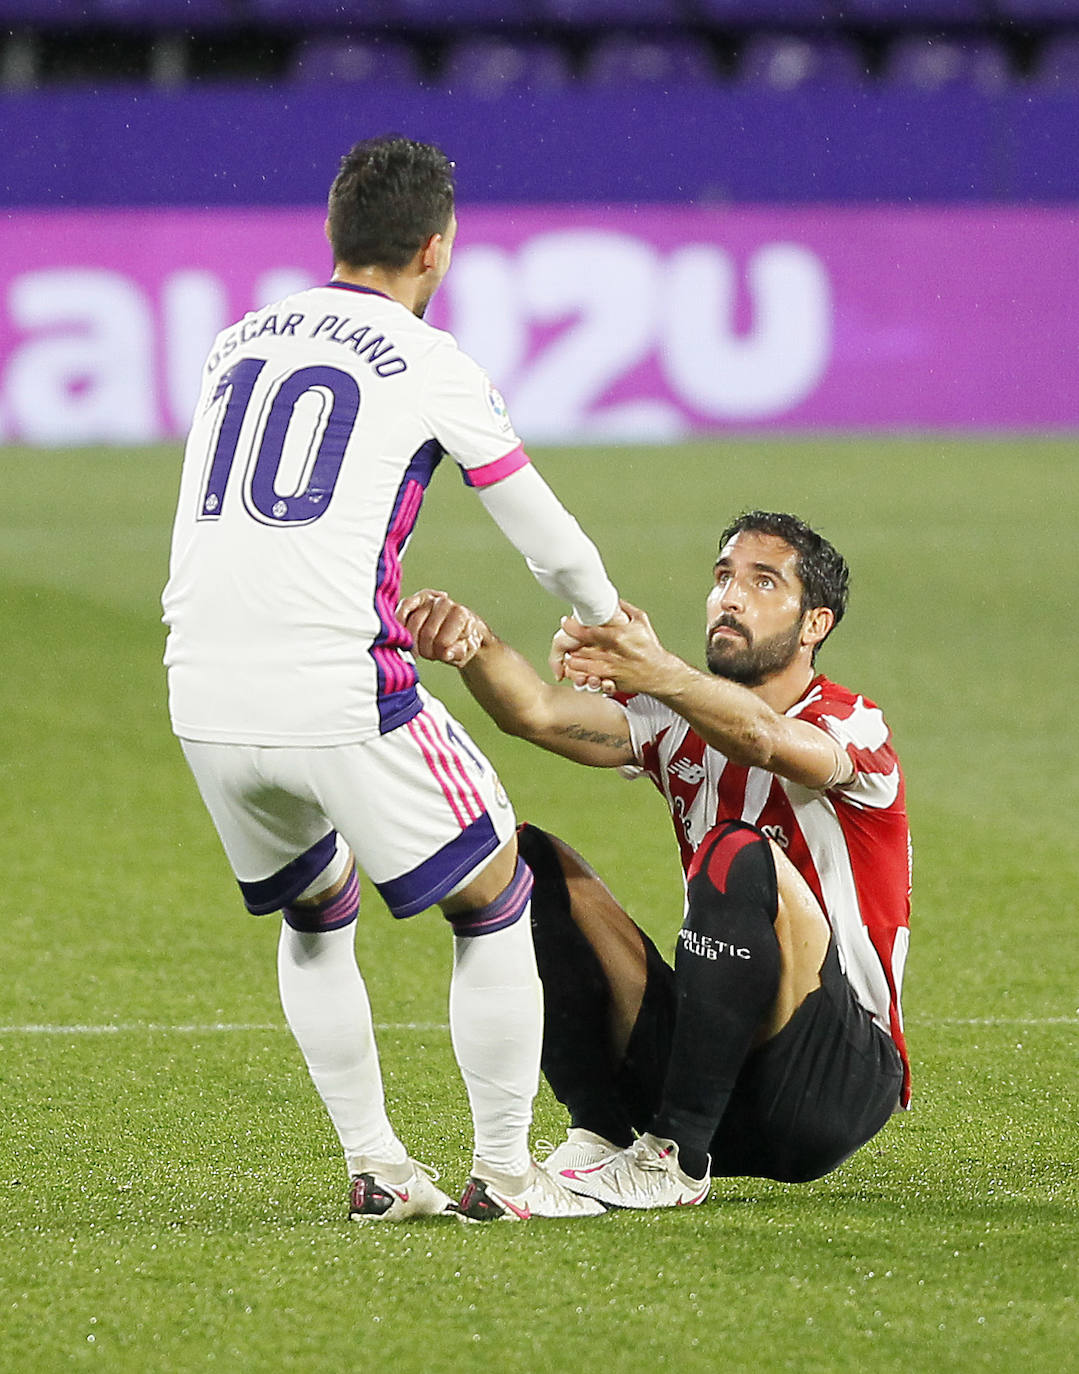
x=851, y=844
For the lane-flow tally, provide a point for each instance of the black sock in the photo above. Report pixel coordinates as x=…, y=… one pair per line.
x=726, y=978
x=576, y=1058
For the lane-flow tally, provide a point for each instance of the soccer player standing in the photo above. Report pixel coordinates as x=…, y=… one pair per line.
x=774, y=1047
x=291, y=686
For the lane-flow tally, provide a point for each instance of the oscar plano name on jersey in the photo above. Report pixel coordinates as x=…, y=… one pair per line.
x=373, y=348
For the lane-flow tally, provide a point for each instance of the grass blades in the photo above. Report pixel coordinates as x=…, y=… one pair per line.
x=173, y=1196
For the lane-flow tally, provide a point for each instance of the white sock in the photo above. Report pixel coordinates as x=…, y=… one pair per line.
x=326, y=1006
x=496, y=1024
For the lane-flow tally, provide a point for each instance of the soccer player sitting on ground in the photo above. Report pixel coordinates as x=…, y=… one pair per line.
x=291, y=686
x=774, y=1046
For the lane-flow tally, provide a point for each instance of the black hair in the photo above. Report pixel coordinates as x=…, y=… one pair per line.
x=821, y=569
x=390, y=195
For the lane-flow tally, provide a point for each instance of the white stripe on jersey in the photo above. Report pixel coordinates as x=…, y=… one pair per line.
x=827, y=846
x=758, y=786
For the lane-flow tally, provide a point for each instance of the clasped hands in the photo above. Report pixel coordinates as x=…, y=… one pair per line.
x=597, y=658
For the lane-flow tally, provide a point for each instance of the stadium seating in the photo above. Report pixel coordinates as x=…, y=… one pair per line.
x=769, y=14
x=311, y=16
x=932, y=63
x=42, y=14
x=620, y=59
x=328, y=60
x=1040, y=11
x=455, y=15
x=781, y=44
x=921, y=14
x=1057, y=66
x=488, y=67
x=193, y=15
x=786, y=62
x=634, y=14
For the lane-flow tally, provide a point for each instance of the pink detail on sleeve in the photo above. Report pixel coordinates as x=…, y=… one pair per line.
x=490, y=473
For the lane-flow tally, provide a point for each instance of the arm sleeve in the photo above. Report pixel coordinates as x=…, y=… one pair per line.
x=469, y=419
x=559, y=554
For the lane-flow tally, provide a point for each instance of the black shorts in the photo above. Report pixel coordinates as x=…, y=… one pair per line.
x=804, y=1101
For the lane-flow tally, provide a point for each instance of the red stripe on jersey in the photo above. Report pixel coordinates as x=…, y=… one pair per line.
x=858, y=836
x=731, y=797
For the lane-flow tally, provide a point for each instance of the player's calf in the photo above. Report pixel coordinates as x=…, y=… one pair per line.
x=496, y=1020
x=727, y=972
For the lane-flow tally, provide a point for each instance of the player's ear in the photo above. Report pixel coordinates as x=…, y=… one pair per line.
x=816, y=625
x=326, y=230
x=429, y=251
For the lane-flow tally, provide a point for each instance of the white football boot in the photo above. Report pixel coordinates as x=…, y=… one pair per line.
x=491, y=1195
x=647, y=1174
x=394, y=1192
x=581, y=1149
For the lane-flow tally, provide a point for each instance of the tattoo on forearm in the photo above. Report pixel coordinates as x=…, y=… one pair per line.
x=595, y=736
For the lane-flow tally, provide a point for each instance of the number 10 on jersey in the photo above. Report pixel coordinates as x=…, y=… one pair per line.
x=337, y=397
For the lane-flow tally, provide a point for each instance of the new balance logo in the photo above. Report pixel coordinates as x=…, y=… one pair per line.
x=687, y=770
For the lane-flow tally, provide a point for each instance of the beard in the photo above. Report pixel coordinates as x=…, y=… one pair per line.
x=752, y=663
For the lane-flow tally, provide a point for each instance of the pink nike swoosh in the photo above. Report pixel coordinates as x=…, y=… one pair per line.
x=524, y=1213
x=579, y=1173
x=692, y=1201
x=400, y=1193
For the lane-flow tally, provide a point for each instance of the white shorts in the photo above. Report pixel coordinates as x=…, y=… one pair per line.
x=421, y=808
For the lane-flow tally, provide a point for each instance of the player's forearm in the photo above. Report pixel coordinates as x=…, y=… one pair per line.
x=748, y=731
x=507, y=686
x=581, y=726
x=726, y=715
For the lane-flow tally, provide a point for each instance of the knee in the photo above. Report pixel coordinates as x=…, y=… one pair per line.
x=735, y=861
x=504, y=911
x=331, y=901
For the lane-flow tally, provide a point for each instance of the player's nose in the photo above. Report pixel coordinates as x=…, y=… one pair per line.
x=731, y=595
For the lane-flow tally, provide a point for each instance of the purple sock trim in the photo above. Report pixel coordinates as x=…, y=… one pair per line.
x=339, y=911
x=507, y=907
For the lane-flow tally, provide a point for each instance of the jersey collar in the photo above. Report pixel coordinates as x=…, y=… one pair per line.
x=363, y=290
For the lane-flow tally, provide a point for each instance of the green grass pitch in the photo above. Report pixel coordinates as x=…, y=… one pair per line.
x=171, y=1197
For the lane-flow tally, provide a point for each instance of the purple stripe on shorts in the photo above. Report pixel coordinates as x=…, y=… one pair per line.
x=507, y=907
x=271, y=894
x=430, y=881
x=340, y=910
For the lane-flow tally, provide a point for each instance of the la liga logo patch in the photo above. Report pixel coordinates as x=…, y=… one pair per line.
x=498, y=406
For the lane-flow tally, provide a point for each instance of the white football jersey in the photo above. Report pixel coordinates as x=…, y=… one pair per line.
x=320, y=422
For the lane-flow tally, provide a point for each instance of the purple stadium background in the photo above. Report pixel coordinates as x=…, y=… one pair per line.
x=629, y=268
x=651, y=323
